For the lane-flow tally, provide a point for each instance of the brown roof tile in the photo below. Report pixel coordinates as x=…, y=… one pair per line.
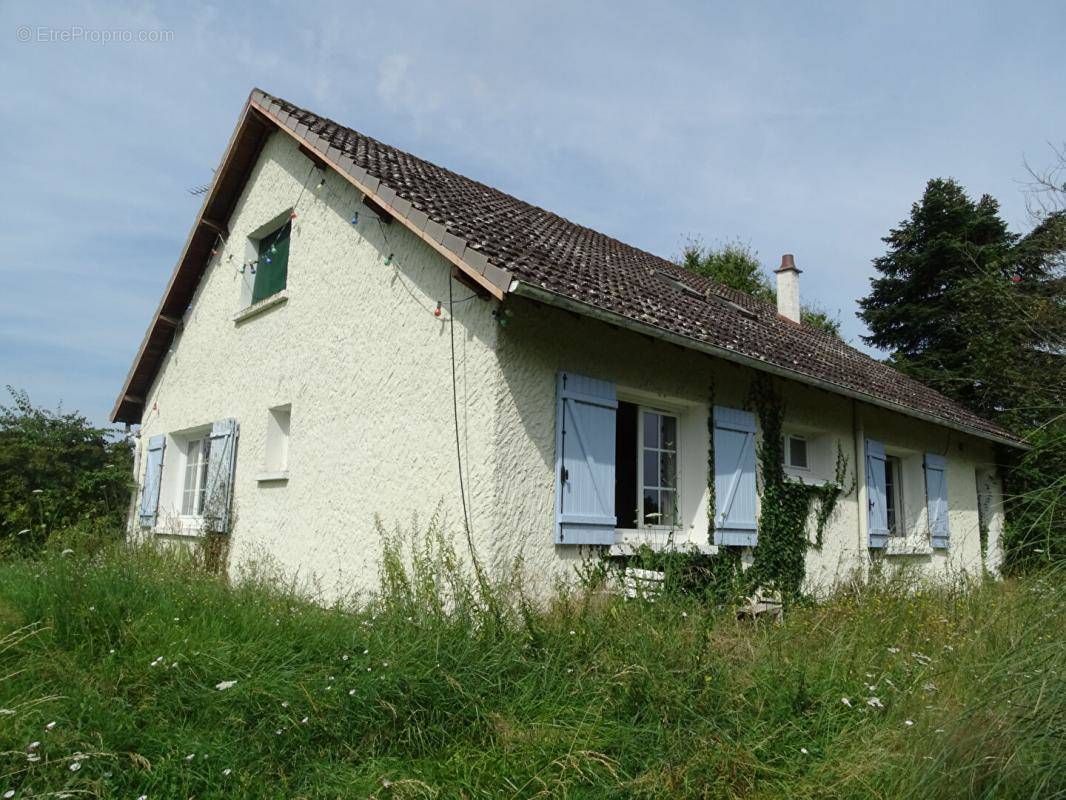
x=545, y=250
x=552, y=254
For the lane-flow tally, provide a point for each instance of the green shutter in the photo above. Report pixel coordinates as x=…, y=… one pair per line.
x=272, y=268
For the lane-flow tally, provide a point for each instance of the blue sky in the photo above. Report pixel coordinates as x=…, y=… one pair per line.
x=793, y=127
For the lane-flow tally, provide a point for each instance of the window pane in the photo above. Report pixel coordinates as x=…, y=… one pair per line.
x=797, y=448
x=668, y=440
x=667, y=507
x=272, y=265
x=202, y=477
x=651, y=429
x=188, y=495
x=651, y=507
x=651, y=468
x=668, y=468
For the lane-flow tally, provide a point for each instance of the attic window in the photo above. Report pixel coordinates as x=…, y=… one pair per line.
x=272, y=263
x=678, y=284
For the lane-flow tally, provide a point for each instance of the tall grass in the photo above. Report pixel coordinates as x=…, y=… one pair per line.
x=443, y=687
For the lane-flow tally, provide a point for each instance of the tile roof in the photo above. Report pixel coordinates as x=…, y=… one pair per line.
x=516, y=241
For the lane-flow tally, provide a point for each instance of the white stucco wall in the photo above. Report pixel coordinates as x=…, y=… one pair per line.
x=366, y=366
x=539, y=341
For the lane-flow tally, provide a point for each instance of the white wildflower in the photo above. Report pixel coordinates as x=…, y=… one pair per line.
x=224, y=685
x=874, y=702
x=846, y=701
x=49, y=726
x=23, y=532
x=384, y=663
x=112, y=651
x=366, y=652
x=684, y=615
x=190, y=757
x=804, y=751
x=9, y=794
x=893, y=649
x=939, y=730
x=67, y=552
x=33, y=758
x=344, y=657
x=573, y=633
x=278, y=731
x=142, y=797
x=908, y=722
x=33, y=746
x=226, y=772
x=351, y=692
x=304, y=721
x=74, y=766
x=284, y=703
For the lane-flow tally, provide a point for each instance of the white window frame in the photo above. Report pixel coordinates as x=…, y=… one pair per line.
x=788, y=451
x=642, y=524
x=896, y=506
x=202, y=443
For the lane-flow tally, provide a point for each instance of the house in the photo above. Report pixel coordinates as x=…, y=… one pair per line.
x=354, y=333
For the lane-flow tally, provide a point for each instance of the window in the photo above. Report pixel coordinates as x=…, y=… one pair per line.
x=645, y=468
x=796, y=452
x=277, y=439
x=659, y=437
x=894, y=495
x=272, y=263
x=194, y=487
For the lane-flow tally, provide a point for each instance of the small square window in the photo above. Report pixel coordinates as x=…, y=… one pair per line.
x=272, y=263
x=277, y=439
x=796, y=452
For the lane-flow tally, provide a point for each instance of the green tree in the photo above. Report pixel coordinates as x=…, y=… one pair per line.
x=736, y=265
x=57, y=472
x=976, y=311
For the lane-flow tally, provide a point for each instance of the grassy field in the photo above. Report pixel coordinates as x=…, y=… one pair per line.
x=131, y=674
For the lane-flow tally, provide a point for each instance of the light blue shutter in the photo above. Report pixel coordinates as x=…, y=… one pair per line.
x=734, y=477
x=584, y=460
x=936, y=498
x=153, y=475
x=221, y=462
x=876, y=498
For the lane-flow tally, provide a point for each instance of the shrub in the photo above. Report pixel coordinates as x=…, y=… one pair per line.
x=58, y=473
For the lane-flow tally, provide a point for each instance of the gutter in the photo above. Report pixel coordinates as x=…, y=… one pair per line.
x=528, y=290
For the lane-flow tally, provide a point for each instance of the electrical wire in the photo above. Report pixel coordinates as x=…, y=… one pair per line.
x=455, y=413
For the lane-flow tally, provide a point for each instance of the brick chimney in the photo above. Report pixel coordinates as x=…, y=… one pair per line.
x=788, y=288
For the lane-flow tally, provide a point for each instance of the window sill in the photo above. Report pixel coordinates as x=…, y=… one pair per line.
x=277, y=476
x=265, y=304
x=659, y=540
x=904, y=549
x=806, y=478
